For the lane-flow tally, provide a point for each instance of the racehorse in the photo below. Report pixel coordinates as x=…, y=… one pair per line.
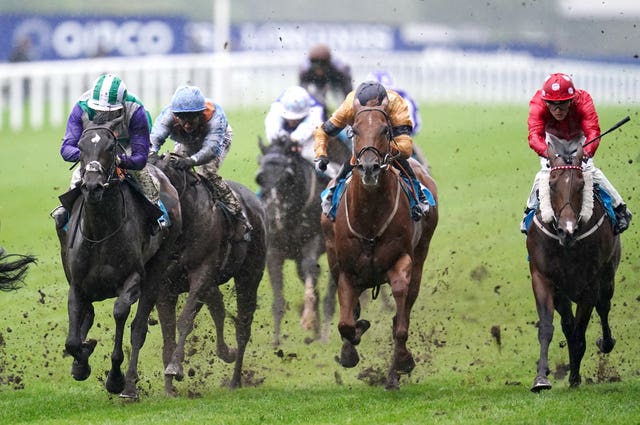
x=374, y=241
x=573, y=257
x=207, y=257
x=290, y=192
x=109, y=251
x=13, y=268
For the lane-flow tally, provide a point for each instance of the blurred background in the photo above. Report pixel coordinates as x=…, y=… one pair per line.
x=245, y=52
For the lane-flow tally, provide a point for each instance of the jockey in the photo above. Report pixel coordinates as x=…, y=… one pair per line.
x=566, y=112
x=294, y=115
x=322, y=74
x=108, y=100
x=201, y=132
x=398, y=113
x=386, y=79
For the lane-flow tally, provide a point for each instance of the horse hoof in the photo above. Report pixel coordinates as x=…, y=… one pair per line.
x=393, y=383
x=174, y=371
x=605, y=346
x=115, y=382
x=348, y=355
x=540, y=383
x=80, y=370
x=129, y=395
x=406, y=365
x=226, y=354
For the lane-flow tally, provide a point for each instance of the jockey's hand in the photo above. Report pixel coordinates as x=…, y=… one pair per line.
x=119, y=160
x=153, y=158
x=182, y=163
x=321, y=163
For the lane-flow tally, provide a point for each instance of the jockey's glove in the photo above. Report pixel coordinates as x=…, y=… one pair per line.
x=321, y=163
x=183, y=163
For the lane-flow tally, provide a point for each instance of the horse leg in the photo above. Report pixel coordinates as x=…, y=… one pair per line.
x=166, y=307
x=275, y=262
x=246, y=301
x=185, y=326
x=606, y=342
x=405, y=292
x=348, y=300
x=139, y=329
x=81, y=315
x=545, y=307
x=329, y=307
x=578, y=344
x=309, y=270
x=115, y=382
x=215, y=305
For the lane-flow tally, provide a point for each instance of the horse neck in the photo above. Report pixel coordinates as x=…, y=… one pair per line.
x=103, y=217
x=382, y=196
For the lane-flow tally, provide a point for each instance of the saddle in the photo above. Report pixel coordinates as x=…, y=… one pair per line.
x=331, y=196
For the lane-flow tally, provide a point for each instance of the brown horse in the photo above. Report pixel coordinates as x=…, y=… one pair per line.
x=573, y=257
x=374, y=241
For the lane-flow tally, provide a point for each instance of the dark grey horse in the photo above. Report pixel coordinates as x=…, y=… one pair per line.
x=290, y=191
x=13, y=268
x=109, y=251
x=206, y=257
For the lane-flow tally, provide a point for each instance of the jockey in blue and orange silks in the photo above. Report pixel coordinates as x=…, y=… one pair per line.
x=560, y=109
x=201, y=132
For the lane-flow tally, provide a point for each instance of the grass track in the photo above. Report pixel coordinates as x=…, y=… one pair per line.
x=476, y=277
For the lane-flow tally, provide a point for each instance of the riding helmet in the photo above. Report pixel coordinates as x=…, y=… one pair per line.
x=371, y=90
x=107, y=93
x=187, y=99
x=295, y=103
x=558, y=87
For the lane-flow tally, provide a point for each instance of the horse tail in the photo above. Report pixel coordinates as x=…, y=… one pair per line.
x=12, y=272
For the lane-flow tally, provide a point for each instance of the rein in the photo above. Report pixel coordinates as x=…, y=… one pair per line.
x=372, y=241
x=552, y=235
x=122, y=221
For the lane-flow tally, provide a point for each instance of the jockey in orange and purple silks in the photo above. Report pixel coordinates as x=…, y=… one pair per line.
x=560, y=109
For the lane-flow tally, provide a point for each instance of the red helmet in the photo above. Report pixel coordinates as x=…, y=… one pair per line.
x=558, y=87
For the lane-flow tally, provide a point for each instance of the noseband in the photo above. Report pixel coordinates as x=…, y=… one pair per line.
x=567, y=201
x=96, y=166
x=384, y=158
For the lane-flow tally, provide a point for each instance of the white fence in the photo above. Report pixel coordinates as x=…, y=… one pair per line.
x=42, y=93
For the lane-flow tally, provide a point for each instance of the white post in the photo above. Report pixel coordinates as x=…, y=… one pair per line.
x=221, y=47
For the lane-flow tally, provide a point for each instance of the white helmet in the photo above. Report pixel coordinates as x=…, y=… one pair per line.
x=107, y=93
x=295, y=103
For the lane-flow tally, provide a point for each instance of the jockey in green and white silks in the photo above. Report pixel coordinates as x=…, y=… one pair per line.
x=110, y=99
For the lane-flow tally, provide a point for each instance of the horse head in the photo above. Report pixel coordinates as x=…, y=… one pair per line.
x=98, y=157
x=372, y=136
x=566, y=185
x=277, y=162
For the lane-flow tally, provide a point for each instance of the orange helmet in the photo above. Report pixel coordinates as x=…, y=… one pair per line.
x=558, y=87
x=320, y=52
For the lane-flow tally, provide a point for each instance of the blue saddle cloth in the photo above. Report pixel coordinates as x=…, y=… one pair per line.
x=337, y=191
x=600, y=193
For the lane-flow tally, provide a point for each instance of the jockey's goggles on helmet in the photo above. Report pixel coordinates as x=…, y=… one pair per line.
x=561, y=104
x=190, y=117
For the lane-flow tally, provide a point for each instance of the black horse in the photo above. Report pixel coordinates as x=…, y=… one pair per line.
x=206, y=256
x=573, y=258
x=13, y=268
x=109, y=251
x=290, y=191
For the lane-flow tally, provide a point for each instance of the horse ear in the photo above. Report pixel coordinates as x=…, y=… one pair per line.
x=261, y=145
x=385, y=102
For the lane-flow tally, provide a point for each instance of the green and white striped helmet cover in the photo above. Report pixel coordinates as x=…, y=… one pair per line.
x=107, y=93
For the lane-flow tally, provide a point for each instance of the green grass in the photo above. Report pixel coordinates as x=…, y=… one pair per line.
x=476, y=277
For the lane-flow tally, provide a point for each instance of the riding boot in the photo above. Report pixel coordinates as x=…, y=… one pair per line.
x=60, y=216
x=422, y=203
x=327, y=199
x=623, y=217
x=523, y=223
x=149, y=187
x=243, y=227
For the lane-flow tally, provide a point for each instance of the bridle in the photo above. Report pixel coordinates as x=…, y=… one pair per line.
x=384, y=158
x=567, y=201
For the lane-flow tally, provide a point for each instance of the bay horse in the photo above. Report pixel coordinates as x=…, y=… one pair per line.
x=207, y=256
x=109, y=251
x=374, y=241
x=573, y=257
x=290, y=191
x=13, y=268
